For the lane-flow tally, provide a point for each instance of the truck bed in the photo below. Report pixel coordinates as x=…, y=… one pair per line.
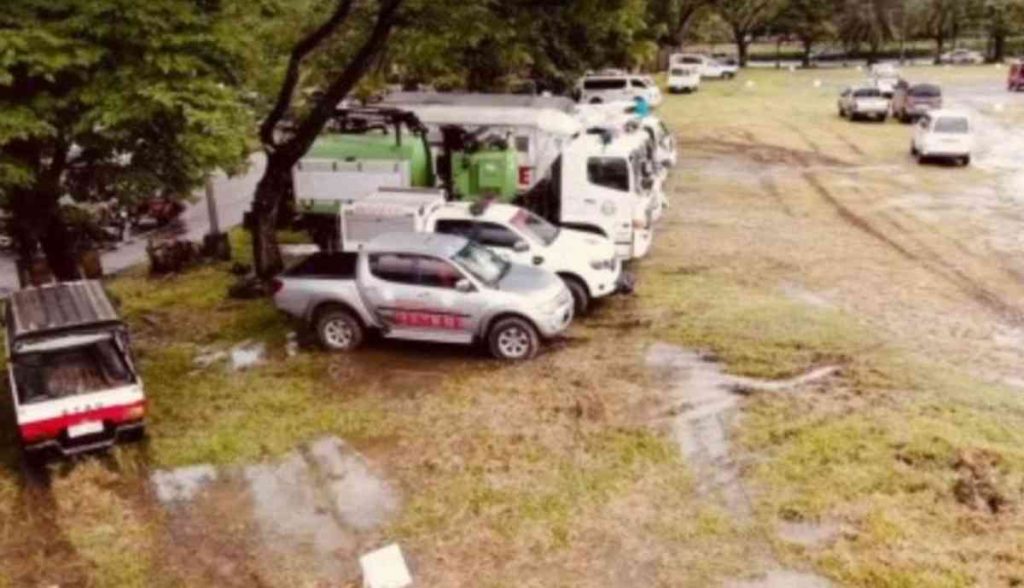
x=325, y=266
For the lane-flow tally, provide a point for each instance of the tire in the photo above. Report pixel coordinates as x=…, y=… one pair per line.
x=338, y=330
x=580, y=294
x=513, y=339
x=913, y=149
x=965, y=160
x=596, y=101
x=882, y=118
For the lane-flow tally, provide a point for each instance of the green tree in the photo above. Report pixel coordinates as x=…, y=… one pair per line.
x=745, y=18
x=147, y=92
x=810, y=21
x=1002, y=18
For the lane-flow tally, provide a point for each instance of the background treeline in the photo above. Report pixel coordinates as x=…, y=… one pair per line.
x=121, y=100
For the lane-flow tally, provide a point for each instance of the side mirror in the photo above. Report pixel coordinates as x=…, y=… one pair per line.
x=647, y=168
x=538, y=260
x=464, y=286
x=521, y=246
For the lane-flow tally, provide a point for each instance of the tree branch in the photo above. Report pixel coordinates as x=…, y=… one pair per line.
x=313, y=123
x=291, y=78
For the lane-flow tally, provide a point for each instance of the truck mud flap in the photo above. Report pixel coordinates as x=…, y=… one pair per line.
x=626, y=284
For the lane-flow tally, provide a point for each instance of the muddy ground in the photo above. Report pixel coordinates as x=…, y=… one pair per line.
x=817, y=384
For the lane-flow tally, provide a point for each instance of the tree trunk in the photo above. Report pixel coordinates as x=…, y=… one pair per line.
x=59, y=249
x=808, y=46
x=742, y=44
x=270, y=191
x=940, y=45
x=998, y=48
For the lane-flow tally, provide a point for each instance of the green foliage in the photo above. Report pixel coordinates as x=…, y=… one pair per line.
x=139, y=96
x=489, y=46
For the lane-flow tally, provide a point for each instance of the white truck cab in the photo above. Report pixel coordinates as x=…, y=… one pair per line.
x=603, y=189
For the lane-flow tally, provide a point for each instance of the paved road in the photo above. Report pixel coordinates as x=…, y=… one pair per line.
x=233, y=196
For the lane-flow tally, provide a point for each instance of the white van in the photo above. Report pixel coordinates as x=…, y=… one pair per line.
x=599, y=89
x=709, y=68
x=683, y=78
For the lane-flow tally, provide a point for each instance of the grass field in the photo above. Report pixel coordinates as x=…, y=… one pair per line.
x=795, y=240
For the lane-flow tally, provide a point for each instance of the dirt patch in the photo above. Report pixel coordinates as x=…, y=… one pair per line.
x=808, y=534
x=980, y=484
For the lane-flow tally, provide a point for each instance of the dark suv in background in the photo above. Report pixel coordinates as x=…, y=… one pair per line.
x=911, y=101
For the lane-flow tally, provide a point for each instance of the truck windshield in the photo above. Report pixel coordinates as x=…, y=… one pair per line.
x=535, y=227
x=481, y=263
x=61, y=373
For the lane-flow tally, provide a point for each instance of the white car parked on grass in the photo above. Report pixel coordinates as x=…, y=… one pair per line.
x=863, y=102
x=943, y=134
x=683, y=78
x=962, y=57
x=618, y=87
x=709, y=68
x=885, y=76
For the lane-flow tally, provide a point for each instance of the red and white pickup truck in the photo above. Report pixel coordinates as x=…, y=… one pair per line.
x=73, y=379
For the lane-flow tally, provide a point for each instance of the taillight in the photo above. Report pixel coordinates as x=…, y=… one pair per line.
x=275, y=286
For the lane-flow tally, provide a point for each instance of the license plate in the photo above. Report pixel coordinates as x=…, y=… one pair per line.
x=86, y=428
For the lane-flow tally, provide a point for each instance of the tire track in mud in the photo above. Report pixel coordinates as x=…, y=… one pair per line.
x=925, y=258
x=770, y=186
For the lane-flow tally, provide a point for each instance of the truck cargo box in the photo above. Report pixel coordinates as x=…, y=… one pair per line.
x=388, y=210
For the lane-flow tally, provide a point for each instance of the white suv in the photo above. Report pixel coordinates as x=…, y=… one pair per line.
x=943, y=134
x=683, y=78
x=601, y=89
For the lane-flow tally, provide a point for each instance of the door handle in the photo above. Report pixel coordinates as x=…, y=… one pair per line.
x=589, y=201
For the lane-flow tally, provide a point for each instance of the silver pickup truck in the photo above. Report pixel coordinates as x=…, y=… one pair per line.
x=426, y=287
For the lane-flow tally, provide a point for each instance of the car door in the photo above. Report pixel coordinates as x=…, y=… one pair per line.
x=394, y=294
x=452, y=303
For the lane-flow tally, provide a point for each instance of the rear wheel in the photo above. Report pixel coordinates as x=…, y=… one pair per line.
x=913, y=149
x=338, y=330
x=580, y=295
x=965, y=160
x=513, y=339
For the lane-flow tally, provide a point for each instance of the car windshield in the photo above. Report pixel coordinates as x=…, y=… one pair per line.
x=678, y=71
x=867, y=93
x=482, y=263
x=61, y=373
x=534, y=226
x=952, y=124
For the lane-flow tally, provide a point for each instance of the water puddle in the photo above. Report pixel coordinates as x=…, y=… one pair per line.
x=311, y=512
x=701, y=406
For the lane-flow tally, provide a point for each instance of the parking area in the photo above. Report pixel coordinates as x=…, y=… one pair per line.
x=816, y=383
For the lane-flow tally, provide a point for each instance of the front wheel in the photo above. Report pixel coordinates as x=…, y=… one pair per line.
x=338, y=330
x=965, y=160
x=514, y=339
x=580, y=295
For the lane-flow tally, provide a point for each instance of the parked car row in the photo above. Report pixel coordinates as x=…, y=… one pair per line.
x=686, y=70
x=938, y=134
x=466, y=218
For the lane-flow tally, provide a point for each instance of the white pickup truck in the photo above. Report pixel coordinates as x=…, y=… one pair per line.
x=426, y=287
x=586, y=262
